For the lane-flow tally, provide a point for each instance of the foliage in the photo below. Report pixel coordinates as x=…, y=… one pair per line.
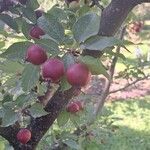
x=69, y=32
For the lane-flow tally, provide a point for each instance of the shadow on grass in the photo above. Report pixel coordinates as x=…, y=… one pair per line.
x=125, y=138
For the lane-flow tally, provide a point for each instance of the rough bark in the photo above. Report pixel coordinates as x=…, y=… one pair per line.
x=112, y=18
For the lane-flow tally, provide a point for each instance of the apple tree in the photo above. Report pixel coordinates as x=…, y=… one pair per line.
x=48, y=57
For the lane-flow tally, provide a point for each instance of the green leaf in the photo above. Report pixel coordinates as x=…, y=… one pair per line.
x=7, y=98
x=86, y=26
x=37, y=110
x=26, y=28
x=11, y=67
x=9, y=21
x=95, y=65
x=101, y=42
x=53, y=28
x=57, y=14
x=24, y=100
x=83, y=10
x=63, y=118
x=64, y=84
x=16, y=51
x=33, y=4
x=10, y=117
x=49, y=45
x=2, y=44
x=30, y=77
x=69, y=60
x=71, y=143
x=29, y=14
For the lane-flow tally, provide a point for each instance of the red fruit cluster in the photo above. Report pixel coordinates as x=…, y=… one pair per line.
x=24, y=135
x=36, y=32
x=74, y=107
x=53, y=69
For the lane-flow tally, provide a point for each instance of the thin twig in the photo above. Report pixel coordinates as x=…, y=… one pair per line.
x=129, y=84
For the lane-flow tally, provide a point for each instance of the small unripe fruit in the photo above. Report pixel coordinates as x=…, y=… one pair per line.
x=23, y=136
x=73, y=107
x=38, y=13
x=36, y=32
x=36, y=55
x=78, y=74
x=53, y=69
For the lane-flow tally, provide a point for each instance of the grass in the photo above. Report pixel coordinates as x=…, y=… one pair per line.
x=131, y=131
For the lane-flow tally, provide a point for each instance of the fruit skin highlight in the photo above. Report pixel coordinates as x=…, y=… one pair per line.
x=24, y=135
x=36, y=55
x=36, y=32
x=53, y=69
x=78, y=74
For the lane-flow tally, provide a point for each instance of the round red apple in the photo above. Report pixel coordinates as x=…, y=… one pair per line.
x=78, y=74
x=36, y=32
x=53, y=69
x=73, y=107
x=23, y=136
x=36, y=55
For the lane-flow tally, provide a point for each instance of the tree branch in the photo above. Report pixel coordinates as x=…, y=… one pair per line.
x=129, y=84
x=105, y=92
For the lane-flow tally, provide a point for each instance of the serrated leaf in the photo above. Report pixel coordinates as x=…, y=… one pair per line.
x=37, y=110
x=16, y=51
x=11, y=67
x=49, y=45
x=10, y=117
x=30, y=77
x=95, y=65
x=9, y=21
x=86, y=26
x=53, y=28
x=29, y=14
x=64, y=84
x=63, y=118
x=100, y=43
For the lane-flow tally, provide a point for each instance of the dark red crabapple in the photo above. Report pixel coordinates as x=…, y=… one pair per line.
x=36, y=32
x=53, y=69
x=72, y=107
x=24, y=135
x=36, y=55
x=38, y=13
x=78, y=74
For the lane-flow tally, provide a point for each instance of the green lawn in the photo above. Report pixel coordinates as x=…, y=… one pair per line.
x=130, y=129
